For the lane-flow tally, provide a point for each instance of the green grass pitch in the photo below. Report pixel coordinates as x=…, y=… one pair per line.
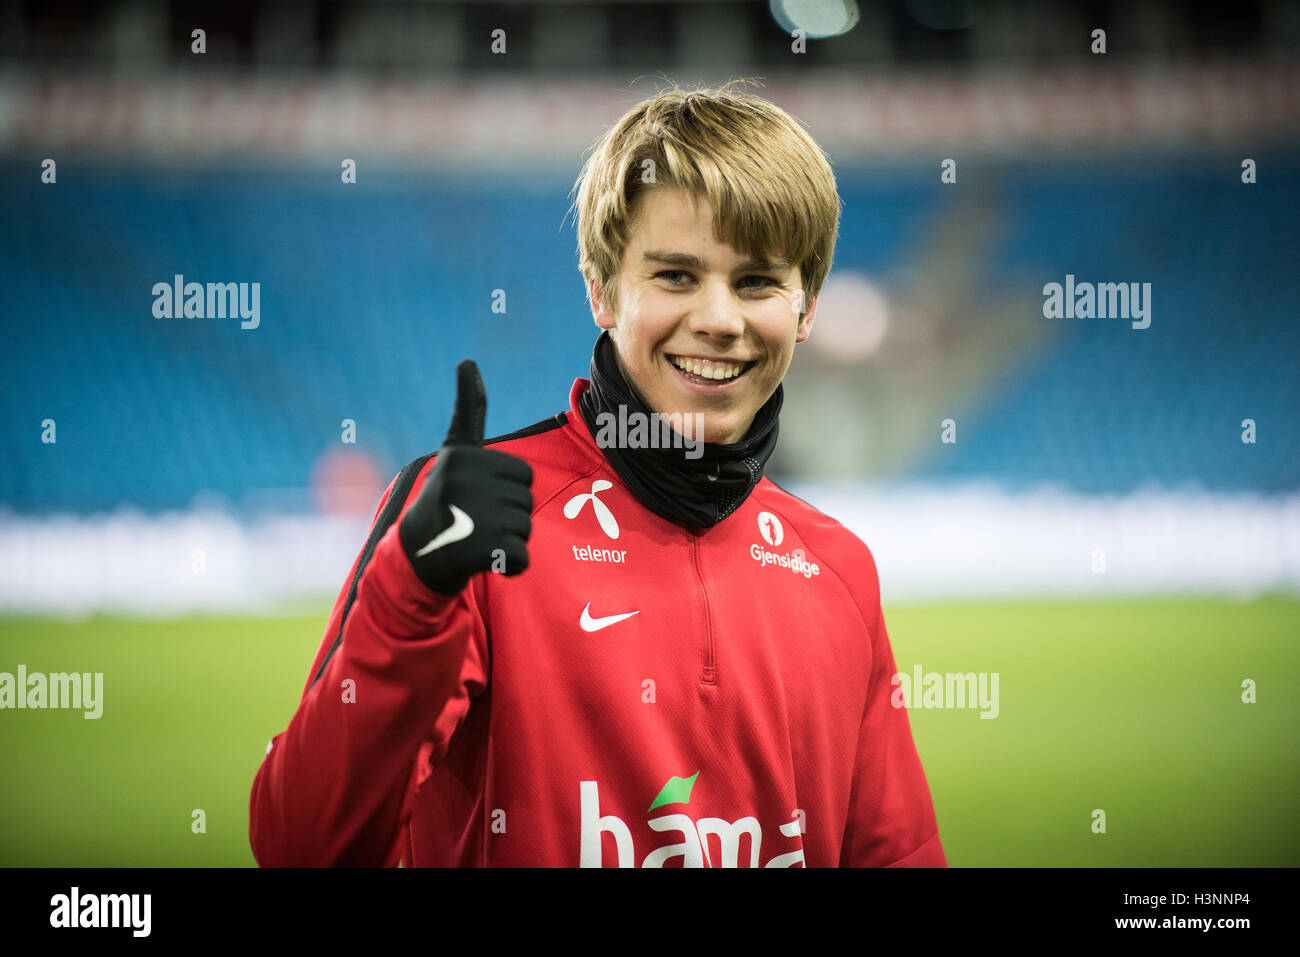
x=1132, y=707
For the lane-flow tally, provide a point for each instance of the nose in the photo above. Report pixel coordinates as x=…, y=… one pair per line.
x=716, y=312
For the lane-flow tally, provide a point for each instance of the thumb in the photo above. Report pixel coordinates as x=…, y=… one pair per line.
x=471, y=407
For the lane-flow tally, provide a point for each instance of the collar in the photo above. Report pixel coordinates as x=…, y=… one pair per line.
x=695, y=486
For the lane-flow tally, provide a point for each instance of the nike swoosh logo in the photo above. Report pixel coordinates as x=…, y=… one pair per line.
x=595, y=624
x=462, y=526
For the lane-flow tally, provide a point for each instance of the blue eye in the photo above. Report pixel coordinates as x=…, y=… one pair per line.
x=669, y=276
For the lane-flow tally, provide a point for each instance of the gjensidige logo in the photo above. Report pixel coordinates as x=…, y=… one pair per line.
x=693, y=848
x=770, y=527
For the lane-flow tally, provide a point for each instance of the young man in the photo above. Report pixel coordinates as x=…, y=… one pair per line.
x=600, y=642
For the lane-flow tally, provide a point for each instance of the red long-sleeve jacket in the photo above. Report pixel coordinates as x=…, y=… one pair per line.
x=641, y=696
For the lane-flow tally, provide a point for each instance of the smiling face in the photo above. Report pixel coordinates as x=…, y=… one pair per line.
x=701, y=327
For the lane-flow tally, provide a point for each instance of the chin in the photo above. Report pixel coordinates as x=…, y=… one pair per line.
x=721, y=434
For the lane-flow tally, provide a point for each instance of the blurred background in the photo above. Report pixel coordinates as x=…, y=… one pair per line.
x=1108, y=516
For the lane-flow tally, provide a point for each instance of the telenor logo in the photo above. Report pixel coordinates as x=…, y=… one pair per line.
x=603, y=515
x=769, y=526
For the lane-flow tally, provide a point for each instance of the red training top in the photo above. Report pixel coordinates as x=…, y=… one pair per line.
x=641, y=696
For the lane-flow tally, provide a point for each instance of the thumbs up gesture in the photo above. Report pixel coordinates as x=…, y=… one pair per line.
x=476, y=504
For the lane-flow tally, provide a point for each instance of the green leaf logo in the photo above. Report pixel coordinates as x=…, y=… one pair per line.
x=676, y=791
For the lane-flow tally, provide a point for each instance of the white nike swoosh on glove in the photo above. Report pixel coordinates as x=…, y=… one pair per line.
x=462, y=526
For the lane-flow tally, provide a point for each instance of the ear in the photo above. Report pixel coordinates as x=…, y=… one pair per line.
x=602, y=316
x=805, y=323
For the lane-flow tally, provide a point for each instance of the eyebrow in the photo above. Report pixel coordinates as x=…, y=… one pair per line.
x=695, y=262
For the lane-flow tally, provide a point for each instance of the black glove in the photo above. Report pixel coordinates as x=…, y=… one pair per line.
x=474, y=502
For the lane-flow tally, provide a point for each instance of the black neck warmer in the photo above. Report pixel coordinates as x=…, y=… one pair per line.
x=693, y=492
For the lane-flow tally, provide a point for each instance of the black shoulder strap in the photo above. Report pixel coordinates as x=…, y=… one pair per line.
x=537, y=428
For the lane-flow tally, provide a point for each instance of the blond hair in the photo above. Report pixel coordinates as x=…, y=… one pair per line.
x=769, y=184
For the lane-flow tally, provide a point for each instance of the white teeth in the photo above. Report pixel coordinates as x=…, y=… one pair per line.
x=706, y=369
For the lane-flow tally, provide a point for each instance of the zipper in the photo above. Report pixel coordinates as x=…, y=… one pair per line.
x=709, y=676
